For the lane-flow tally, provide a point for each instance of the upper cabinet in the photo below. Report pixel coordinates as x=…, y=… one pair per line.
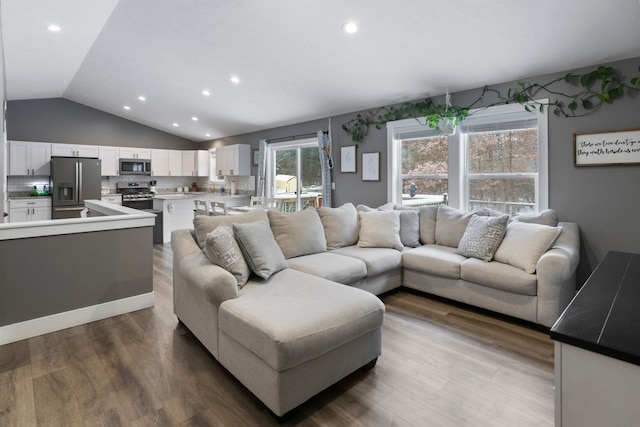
x=195, y=163
x=233, y=160
x=109, y=157
x=166, y=162
x=71, y=150
x=135, y=153
x=29, y=158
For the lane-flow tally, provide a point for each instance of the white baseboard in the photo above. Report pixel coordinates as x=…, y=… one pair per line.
x=55, y=322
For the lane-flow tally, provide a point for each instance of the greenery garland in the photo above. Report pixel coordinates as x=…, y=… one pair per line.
x=592, y=90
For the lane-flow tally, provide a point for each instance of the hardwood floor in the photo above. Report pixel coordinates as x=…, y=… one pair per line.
x=441, y=365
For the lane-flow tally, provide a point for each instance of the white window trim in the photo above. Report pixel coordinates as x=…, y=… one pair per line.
x=270, y=170
x=458, y=182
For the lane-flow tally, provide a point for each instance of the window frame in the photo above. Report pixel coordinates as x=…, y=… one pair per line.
x=458, y=176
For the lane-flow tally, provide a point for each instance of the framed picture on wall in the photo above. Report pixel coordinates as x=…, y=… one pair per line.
x=348, y=159
x=255, y=156
x=371, y=166
x=608, y=148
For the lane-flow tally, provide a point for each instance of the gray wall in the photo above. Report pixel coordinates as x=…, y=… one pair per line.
x=61, y=120
x=604, y=201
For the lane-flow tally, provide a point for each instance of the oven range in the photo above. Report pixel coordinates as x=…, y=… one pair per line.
x=135, y=195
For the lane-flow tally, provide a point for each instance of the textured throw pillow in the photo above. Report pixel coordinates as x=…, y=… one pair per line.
x=222, y=249
x=547, y=217
x=410, y=227
x=525, y=243
x=380, y=229
x=340, y=225
x=451, y=224
x=260, y=250
x=483, y=236
x=298, y=233
x=206, y=224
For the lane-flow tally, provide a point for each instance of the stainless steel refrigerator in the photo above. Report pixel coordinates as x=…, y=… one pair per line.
x=73, y=180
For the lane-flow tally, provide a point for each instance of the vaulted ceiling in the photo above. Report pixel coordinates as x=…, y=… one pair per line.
x=293, y=60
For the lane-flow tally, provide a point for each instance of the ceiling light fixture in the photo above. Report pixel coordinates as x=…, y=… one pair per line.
x=350, y=27
x=206, y=92
x=235, y=79
x=142, y=98
x=175, y=125
x=126, y=107
x=53, y=28
x=194, y=118
x=208, y=135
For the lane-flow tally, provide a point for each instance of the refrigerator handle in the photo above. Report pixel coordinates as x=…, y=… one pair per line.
x=79, y=179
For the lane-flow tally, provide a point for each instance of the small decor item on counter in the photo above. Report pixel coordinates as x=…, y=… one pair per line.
x=185, y=188
x=233, y=188
x=222, y=190
x=194, y=186
x=179, y=189
x=34, y=192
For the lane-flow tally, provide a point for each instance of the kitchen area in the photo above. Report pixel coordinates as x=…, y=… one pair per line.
x=51, y=181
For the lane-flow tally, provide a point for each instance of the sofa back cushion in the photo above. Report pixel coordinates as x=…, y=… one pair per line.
x=340, y=225
x=451, y=224
x=428, y=216
x=206, y=224
x=546, y=217
x=298, y=233
x=409, y=222
x=260, y=250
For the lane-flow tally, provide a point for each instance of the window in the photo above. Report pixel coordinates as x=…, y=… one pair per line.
x=294, y=173
x=497, y=159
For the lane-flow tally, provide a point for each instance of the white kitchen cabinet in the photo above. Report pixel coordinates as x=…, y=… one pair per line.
x=195, y=163
x=73, y=150
x=135, y=153
x=21, y=210
x=166, y=162
x=109, y=157
x=29, y=158
x=175, y=163
x=233, y=160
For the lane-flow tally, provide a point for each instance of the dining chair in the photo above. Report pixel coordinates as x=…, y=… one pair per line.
x=256, y=201
x=218, y=208
x=266, y=202
x=201, y=207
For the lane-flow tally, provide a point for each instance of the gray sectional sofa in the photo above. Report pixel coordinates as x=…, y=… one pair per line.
x=265, y=292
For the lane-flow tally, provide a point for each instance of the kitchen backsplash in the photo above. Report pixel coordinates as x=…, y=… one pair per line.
x=19, y=185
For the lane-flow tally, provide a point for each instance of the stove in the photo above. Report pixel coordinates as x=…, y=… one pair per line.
x=135, y=195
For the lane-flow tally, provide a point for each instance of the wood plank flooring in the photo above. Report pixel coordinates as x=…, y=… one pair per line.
x=441, y=365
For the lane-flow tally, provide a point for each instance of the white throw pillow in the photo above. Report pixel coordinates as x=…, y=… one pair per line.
x=380, y=229
x=340, y=225
x=222, y=249
x=525, y=243
x=451, y=224
x=483, y=236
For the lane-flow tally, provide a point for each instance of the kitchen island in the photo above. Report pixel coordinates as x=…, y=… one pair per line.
x=177, y=208
x=55, y=274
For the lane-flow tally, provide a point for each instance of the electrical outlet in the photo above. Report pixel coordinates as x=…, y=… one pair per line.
x=333, y=185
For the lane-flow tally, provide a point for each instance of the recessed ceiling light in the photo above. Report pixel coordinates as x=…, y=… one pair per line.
x=235, y=79
x=206, y=92
x=350, y=27
x=142, y=98
x=207, y=135
x=194, y=118
x=175, y=125
x=53, y=28
x=126, y=107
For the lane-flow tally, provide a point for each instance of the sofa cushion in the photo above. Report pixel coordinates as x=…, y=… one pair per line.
x=434, y=259
x=524, y=244
x=206, y=224
x=330, y=266
x=482, y=236
x=298, y=233
x=260, y=250
x=379, y=229
x=340, y=225
x=546, y=217
x=499, y=276
x=428, y=215
x=451, y=224
x=295, y=317
x=409, y=222
x=377, y=260
x=222, y=249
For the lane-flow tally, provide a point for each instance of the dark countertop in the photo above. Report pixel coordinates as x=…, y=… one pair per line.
x=604, y=317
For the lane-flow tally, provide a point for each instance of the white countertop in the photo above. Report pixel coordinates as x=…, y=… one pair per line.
x=196, y=195
x=112, y=217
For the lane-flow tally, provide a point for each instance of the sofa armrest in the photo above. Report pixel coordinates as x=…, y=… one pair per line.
x=556, y=271
x=192, y=269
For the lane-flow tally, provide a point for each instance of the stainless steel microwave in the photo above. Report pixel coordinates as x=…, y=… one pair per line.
x=135, y=167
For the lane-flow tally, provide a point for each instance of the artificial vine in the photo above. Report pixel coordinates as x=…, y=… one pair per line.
x=601, y=86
